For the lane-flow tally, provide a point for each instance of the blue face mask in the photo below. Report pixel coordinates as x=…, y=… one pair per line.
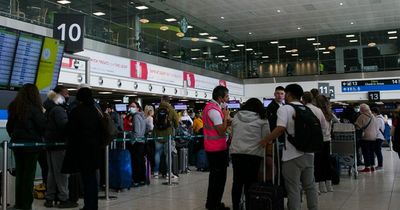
x=132, y=110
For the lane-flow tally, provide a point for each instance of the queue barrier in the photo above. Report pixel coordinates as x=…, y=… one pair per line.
x=54, y=145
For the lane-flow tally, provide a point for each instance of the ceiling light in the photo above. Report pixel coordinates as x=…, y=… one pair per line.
x=341, y=3
x=353, y=40
x=117, y=100
x=352, y=23
x=170, y=19
x=278, y=10
x=177, y=56
x=195, y=58
x=288, y=51
x=371, y=44
x=321, y=48
x=206, y=53
x=164, y=28
x=203, y=34
x=71, y=89
x=220, y=56
x=298, y=28
x=225, y=46
x=250, y=33
x=141, y=7
x=249, y=49
x=294, y=55
x=392, y=37
x=392, y=32
x=194, y=39
x=274, y=42
x=144, y=20
x=235, y=50
x=281, y=46
x=132, y=95
x=326, y=52
x=222, y=17
x=240, y=45
x=316, y=44
x=295, y=50
x=213, y=37
x=311, y=39
x=225, y=59
x=180, y=34
x=64, y=2
x=99, y=13
x=189, y=26
x=265, y=56
x=331, y=47
x=350, y=35
x=164, y=51
x=195, y=49
x=105, y=93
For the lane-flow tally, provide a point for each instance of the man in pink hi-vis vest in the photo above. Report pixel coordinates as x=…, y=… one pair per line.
x=215, y=118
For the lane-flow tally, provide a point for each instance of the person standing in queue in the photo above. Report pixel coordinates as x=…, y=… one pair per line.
x=26, y=124
x=215, y=118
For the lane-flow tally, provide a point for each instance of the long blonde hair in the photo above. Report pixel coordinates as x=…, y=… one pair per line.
x=148, y=111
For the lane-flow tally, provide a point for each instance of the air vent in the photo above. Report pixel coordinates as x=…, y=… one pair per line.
x=309, y=7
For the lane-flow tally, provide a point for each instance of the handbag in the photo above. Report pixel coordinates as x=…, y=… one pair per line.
x=110, y=132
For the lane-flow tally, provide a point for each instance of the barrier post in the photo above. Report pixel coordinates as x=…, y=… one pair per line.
x=4, y=176
x=169, y=158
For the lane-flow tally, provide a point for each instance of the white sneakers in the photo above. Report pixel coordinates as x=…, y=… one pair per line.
x=325, y=187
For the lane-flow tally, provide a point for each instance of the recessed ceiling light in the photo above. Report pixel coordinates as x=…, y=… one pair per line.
x=180, y=34
x=326, y=52
x=170, y=19
x=195, y=58
x=341, y=3
x=132, y=95
x=194, y=39
x=164, y=51
x=222, y=17
x=350, y=35
x=64, y=2
x=352, y=23
x=144, y=20
x=321, y=48
x=177, y=56
x=392, y=37
x=392, y=32
x=288, y=51
x=316, y=43
x=353, y=40
x=71, y=89
x=240, y=45
x=295, y=50
x=281, y=46
x=164, y=28
x=225, y=46
x=189, y=26
x=294, y=55
x=105, y=93
x=99, y=13
x=212, y=37
x=195, y=49
x=274, y=42
x=206, y=53
x=371, y=44
x=311, y=39
x=203, y=34
x=298, y=28
x=278, y=10
x=141, y=7
x=220, y=56
x=225, y=59
x=331, y=47
x=235, y=50
x=117, y=100
x=265, y=56
x=249, y=49
x=250, y=33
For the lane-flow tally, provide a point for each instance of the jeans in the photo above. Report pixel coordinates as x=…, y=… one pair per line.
x=368, y=148
x=218, y=163
x=378, y=152
x=296, y=171
x=160, y=147
x=90, y=187
x=25, y=165
x=245, y=172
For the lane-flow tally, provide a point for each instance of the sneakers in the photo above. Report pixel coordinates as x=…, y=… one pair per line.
x=365, y=170
x=173, y=176
x=329, y=185
x=48, y=204
x=155, y=176
x=67, y=205
x=322, y=187
x=379, y=168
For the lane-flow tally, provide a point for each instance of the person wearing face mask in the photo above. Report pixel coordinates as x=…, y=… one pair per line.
x=186, y=120
x=57, y=119
x=215, y=118
x=137, y=148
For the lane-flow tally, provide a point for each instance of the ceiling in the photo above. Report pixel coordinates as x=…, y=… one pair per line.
x=262, y=19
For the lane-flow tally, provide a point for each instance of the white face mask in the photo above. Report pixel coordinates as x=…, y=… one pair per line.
x=59, y=100
x=133, y=110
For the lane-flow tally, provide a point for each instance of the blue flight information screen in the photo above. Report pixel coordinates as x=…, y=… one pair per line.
x=370, y=85
x=8, y=43
x=26, y=60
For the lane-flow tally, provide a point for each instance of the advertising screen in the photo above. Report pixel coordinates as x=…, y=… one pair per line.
x=121, y=107
x=234, y=104
x=26, y=59
x=8, y=43
x=180, y=106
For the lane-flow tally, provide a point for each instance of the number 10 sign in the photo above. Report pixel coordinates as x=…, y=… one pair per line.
x=70, y=29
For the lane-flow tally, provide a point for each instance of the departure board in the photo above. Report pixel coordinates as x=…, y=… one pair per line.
x=8, y=43
x=26, y=59
x=370, y=85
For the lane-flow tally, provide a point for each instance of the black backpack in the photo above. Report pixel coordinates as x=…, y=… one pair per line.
x=308, y=135
x=162, y=121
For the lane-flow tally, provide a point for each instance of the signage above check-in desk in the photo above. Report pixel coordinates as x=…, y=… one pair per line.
x=370, y=85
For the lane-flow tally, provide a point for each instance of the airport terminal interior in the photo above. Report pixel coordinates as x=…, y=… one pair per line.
x=133, y=53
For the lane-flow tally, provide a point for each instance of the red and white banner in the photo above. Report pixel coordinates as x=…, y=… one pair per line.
x=189, y=80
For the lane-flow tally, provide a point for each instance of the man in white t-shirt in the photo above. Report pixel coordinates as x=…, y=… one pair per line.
x=297, y=166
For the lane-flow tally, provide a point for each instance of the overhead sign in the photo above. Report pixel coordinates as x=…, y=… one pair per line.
x=370, y=85
x=374, y=96
x=324, y=89
x=70, y=29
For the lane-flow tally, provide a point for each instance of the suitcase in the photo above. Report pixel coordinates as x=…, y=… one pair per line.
x=175, y=164
x=202, y=161
x=120, y=169
x=183, y=160
x=266, y=196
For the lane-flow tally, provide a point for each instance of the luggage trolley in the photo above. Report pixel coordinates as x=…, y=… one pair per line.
x=344, y=145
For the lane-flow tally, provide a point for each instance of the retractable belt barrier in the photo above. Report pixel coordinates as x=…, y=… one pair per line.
x=56, y=145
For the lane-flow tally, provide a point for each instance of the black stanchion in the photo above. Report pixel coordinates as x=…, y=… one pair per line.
x=107, y=196
x=4, y=176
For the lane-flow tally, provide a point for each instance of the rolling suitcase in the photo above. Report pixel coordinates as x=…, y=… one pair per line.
x=183, y=160
x=120, y=169
x=202, y=161
x=266, y=196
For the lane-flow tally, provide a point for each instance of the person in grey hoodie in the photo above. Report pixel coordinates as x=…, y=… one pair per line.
x=137, y=148
x=248, y=128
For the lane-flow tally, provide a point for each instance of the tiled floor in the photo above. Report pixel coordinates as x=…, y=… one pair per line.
x=377, y=191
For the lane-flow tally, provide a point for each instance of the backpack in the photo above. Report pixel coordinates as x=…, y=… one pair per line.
x=109, y=130
x=162, y=121
x=307, y=128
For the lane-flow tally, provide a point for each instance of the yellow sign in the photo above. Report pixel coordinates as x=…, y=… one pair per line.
x=47, y=63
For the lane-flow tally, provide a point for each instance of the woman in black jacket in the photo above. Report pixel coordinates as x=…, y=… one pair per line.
x=26, y=124
x=83, y=153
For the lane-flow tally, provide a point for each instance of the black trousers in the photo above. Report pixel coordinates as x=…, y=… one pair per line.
x=322, y=166
x=90, y=187
x=43, y=165
x=218, y=163
x=245, y=172
x=137, y=159
x=368, y=148
x=378, y=152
